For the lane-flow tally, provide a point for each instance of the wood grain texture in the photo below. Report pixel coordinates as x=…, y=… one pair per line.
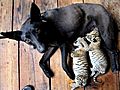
x=60, y=80
x=19, y=63
x=77, y=1
x=92, y=1
x=8, y=65
x=21, y=11
x=62, y=3
x=113, y=6
x=8, y=49
x=46, y=4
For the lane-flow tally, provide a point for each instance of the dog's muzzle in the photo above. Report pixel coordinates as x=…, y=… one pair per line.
x=32, y=40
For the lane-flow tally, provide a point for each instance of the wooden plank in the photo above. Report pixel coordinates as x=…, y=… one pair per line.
x=108, y=82
x=113, y=6
x=21, y=10
x=30, y=72
x=60, y=81
x=62, y=3
x=8, y=65
x=77, y=1
x=46, y=4
x=8, y=56
x=92, y=1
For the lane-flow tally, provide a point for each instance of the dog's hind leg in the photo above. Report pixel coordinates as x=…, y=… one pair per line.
x=43, y=62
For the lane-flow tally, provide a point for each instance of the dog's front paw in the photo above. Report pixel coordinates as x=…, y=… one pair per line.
x=48, y=73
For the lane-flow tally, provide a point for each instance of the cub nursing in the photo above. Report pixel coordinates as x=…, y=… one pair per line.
x=96, y=55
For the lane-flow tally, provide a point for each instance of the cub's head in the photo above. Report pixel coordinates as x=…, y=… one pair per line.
x=95, y=45
x=92, y=35
x=79, y=50
x=81, y=43
x=78, y=43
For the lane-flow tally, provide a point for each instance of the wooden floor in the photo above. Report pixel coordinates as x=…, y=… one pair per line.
x=19, y=63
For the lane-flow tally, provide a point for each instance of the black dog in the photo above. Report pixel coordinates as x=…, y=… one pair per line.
x=59, y=28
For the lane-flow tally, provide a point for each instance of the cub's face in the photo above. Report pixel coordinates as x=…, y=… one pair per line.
x=78, y=43
x=92, y=35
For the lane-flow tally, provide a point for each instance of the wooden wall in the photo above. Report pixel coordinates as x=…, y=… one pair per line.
x=19, y=63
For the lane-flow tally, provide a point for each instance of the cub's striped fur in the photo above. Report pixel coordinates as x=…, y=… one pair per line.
x=80, y=65
x=97, y=57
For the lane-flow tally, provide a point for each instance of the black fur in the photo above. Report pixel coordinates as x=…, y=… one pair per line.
x=60, y=27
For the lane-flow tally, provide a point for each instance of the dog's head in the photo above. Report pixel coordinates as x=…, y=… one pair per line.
x=31, y=29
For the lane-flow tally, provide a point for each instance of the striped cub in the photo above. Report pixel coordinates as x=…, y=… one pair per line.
x=80, y=64
x=97, y=57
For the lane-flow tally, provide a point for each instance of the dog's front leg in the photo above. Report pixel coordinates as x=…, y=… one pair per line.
x=45, y=58
x=64, y=52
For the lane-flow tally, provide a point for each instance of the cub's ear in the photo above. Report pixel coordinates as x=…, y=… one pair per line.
x=35, y=13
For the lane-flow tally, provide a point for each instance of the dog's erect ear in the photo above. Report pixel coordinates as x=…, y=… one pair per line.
x=35, y=13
